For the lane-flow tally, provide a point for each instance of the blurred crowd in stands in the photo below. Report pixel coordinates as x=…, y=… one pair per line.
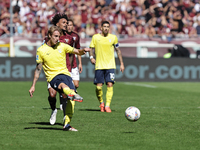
x=165, y=19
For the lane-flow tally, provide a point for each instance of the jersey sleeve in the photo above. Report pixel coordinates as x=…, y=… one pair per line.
x=116, y=44
x=68, y=48
x=39, y=57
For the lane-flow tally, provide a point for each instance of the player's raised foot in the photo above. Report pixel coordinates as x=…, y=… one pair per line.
x=52, y=119
x=67, y=127
x=102, y=107
x=75, y=97
x=61, y=107
x=107, y=109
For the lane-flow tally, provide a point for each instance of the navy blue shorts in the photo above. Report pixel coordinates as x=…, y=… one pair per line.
x=107, y=75
x=62, y=78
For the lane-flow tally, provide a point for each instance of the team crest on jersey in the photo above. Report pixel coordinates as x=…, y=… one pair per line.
x=112, y=76
x=110, y=40
x=59, y=50
x=66, y=40
x=74, y=38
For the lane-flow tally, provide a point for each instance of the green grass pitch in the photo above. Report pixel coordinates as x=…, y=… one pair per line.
x=170, y=118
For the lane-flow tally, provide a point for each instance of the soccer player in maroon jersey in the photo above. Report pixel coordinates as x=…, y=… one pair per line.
x=75, y=71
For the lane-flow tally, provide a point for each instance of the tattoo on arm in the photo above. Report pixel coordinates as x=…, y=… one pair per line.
x=119, y=54
x=38, y=70
x=92, y=51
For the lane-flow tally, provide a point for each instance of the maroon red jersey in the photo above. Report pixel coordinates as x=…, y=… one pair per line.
x=76, y=45
x=68, y=39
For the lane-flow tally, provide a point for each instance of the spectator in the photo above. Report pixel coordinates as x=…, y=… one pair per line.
x=90, y=28
x=150, y=31
x=198, y=28
x=34, y=7
x=96, y=16
x=25, y=9
x=127, y=17
x=77, y=20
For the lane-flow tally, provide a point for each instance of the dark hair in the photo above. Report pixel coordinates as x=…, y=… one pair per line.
x=52, y=29
x=105, y=22
x=57, y=17
x=71, y=21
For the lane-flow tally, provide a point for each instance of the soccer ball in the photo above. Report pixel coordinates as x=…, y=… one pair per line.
x=132, y=113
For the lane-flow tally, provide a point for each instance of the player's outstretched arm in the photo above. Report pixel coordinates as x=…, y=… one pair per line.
x=119, y=54
x=37, y=72
x=81, y=51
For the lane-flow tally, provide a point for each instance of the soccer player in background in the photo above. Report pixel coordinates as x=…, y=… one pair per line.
x=52, y=57
x=104, y=44
x=72, y=59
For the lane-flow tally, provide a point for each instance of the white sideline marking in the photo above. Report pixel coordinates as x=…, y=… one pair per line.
x=138, y=84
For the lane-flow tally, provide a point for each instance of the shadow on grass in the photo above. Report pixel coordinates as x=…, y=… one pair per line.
x=89, y=109
x=50, y=108
x=92, y=110
x=45, y=123
x=129, y=132
x=43, y=128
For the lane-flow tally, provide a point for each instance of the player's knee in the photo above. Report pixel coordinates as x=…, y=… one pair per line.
x=76, y=86
x=109, y=84
x=52, y=93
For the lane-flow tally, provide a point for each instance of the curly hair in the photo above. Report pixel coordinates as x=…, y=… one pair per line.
x=57, y=17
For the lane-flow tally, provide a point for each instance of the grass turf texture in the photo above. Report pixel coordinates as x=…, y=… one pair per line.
x=169, y=118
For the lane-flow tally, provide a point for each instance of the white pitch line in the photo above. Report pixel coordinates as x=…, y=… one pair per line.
x=138, y=84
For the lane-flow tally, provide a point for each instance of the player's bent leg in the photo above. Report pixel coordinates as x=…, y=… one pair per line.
x=71, y=93
x=66, y=86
